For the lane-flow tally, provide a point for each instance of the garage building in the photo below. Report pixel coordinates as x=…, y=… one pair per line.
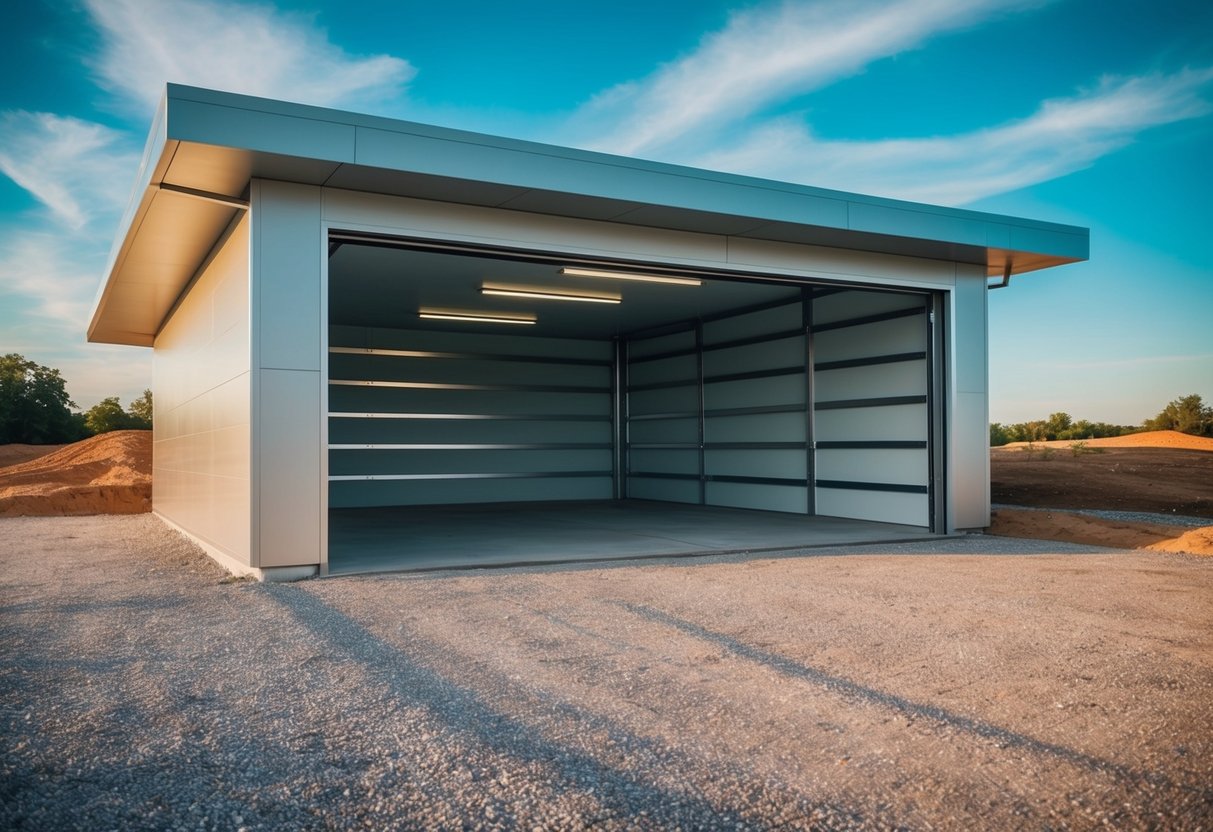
x=386, y=345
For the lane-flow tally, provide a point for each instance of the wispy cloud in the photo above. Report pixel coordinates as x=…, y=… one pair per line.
x=75, y=168
x=762, y=56
x=252, y=49
x=1062, y=136
x=51, y=277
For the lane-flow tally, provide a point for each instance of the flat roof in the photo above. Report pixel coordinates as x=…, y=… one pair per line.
x=204, y=142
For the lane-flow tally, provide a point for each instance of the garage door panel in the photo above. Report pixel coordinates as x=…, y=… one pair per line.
x=398, y=431
x=478, y=461
x=675, y=368
x=792, y=499
x=663, y=490
x=882, y=507
x=492, y=402
x=663, y=430
x=463, y=371
x=902, y=466
x=783, y=352
x=767, y=427
x=663, y=461
x=643, y=347
x=843, y=306
x=346, y=494
x=755, y=392
x=472, y=342
x=902, y=378
x=682, y=399
x=783, y=464
x=751, y=324
x=900, y=335
x=896, y=423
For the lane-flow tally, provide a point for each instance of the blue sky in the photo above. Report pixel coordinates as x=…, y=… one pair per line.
x=1093, y=113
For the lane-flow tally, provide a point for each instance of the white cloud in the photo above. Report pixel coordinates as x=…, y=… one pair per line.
x=251, y=49
x=53, y=276
x=77, y=169
x=762, y=56
x=1062, y=136
x=47, y=284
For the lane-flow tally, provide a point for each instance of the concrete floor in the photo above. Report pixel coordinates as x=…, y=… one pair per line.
x=462, y=536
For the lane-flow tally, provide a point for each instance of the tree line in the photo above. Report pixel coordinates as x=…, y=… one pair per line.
x=1187, y=414
x=35, y=408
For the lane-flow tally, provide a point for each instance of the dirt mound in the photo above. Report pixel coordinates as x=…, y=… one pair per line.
x=1097, y=531
x=1149, y=439
x=16, y=453
x=106, y=474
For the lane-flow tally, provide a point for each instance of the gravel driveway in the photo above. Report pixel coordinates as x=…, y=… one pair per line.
x=980, y=683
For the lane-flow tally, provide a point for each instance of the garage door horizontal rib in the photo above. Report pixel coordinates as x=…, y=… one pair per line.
x=437, y=385
x=724, y=412
x=871, y=361
x=870, y=319
x=775, y=373
x=721, y=446
x=495, y=417
x=872, y=486
x=472, y=356
x=661, y=475
x=522, y=475
x=468, y=446
x=662, y=385
x=873, y=444
x=888, y=401
x=652, y=417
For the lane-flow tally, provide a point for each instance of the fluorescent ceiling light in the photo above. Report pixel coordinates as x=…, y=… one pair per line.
x=647, y=278
x=510, y=290
x=475, y=316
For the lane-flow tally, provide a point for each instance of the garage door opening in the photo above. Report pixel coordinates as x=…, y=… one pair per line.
x=495, y=407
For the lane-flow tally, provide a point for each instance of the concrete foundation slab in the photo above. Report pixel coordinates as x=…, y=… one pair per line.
x=469, y=536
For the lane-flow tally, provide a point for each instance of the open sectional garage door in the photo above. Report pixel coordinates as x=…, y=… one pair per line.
x=471, y=378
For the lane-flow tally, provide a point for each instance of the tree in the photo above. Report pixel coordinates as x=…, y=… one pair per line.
x=34, y=405
x=140, y=411
x=999, y=435
x=107, y=415
x=1187, y=414
x=1057, y=424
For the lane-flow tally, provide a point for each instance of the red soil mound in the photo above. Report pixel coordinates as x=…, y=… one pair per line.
x=106, y=474
x=1149, y=439
x=16, y=453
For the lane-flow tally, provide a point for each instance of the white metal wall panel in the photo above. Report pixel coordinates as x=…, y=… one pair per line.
x=201, y=369
x=288, y=299
x=968, y=436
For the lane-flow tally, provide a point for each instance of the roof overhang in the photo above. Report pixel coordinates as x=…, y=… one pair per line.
x=205, y=146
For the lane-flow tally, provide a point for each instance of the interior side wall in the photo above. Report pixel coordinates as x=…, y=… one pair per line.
x=202, y=460
x=716, y=414
x=424, y=417
x=871, y=420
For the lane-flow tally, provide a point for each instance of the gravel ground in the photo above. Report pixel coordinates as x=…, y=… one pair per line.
x=977, y=683
x=1126, y=516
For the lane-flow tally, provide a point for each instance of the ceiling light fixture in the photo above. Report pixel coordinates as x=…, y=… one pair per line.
x=545, y=293
x=477, y=317
x=646, y=278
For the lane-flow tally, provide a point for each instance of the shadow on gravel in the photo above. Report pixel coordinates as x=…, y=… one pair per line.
x=621, y=793
x=940, y=716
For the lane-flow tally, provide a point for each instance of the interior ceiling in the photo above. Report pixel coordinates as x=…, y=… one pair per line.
x=385, y=287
